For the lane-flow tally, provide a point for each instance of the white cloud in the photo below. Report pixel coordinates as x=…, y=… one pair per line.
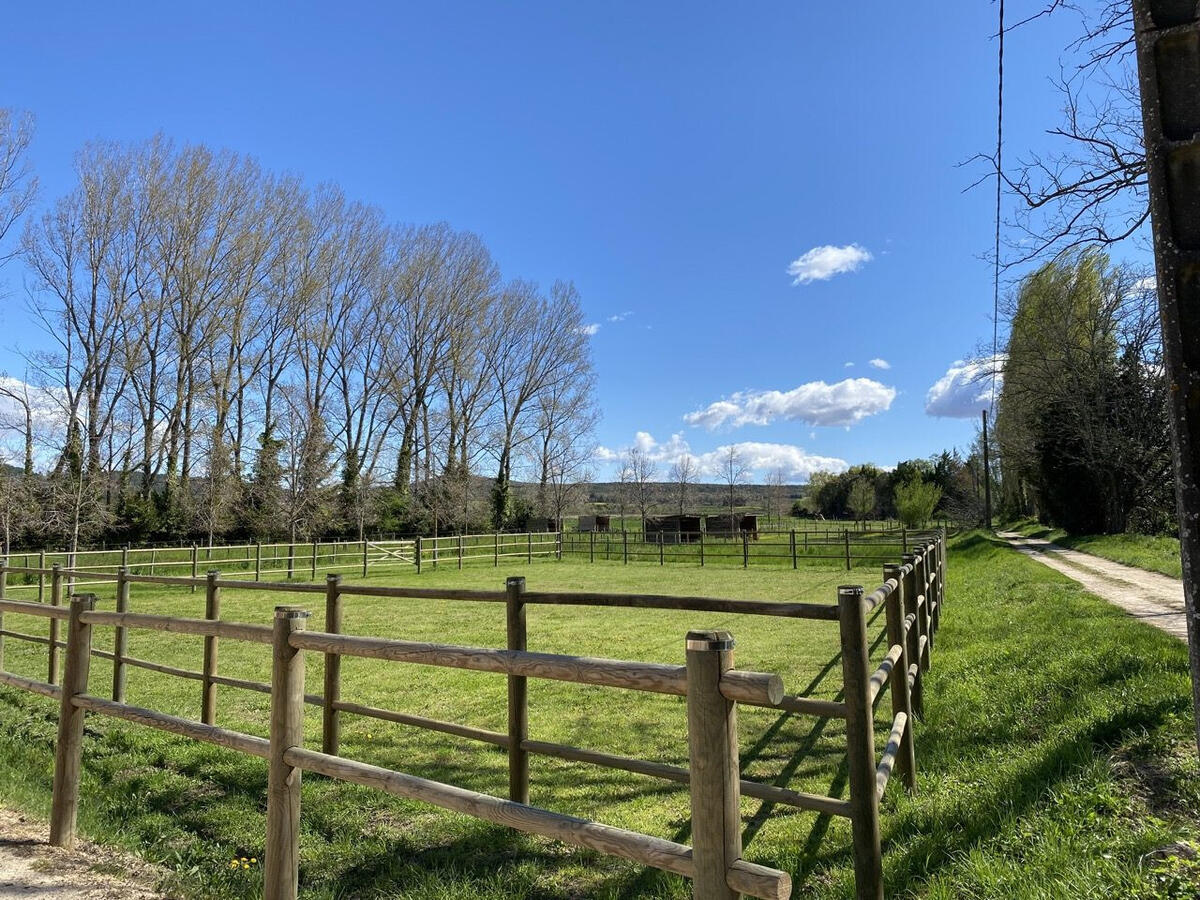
x=760, y=457
x=848, y=365
x=590, y=329
x=814, y=403
x=965, y=389
x=879, y=364
x=822, y=263
x=620, y=317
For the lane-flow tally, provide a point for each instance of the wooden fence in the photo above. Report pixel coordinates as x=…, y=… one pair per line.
x=912, y=596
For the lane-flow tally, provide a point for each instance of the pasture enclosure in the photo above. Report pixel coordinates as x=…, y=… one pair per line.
x=912, y=596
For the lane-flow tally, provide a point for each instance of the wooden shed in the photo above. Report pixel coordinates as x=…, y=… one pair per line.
x=721, y=526
x=673, y=529
x=595, y=523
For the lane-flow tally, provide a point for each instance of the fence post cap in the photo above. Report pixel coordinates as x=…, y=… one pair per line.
x=83, y=601
x=333, y=578
x=893, y=568
x=212, y=574
x=515, y=581
x=56, y=566
x=709, y=640
x=291, y=612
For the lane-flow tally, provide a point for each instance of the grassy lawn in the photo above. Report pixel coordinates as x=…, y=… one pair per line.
x=1155, y=553
x=1055, y=752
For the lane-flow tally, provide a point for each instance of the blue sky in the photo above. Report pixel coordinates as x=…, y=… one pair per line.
x=672, y=159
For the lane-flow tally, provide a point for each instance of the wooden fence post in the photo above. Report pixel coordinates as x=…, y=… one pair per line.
x=42, y=573
x=922, y=577
x=364, y=555
x=904, y=540
x=860, y=745
x=914, y=634
x=212, y=611
x=529, y=547
x=625, y=545
x=195, y=560
x=121, y=637
x=660, y=548
x=793, y=543
x=495, y=549
x=702, y=548
x=257, y=560
x=518, y=696
x=281, y=863
x=558, y=545
x=591, y=546
x=906, y=756
x=417, y=554
x=460, y=551
x=331, y=716
x=3, y=593
x=68, y=751
x=715, y=782
x=745, y=549
x=56, y=597
x=846, y=534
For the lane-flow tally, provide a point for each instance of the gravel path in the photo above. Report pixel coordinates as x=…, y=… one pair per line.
x=30, y=867
x=1154, y=598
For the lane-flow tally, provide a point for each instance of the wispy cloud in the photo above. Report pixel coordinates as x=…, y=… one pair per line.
x=590, y=329
x=822, y=263
x=878, y=363
x=620, y=317
x=814, y=403
x=965, y=389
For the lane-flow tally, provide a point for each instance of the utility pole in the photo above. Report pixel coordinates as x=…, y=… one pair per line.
x=1168, y=54
x=987, y=478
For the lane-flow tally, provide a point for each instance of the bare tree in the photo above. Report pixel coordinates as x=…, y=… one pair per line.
x=683, y=476
x=734, y=474
x=776, y=492
x=641, y=469
x=18, y=186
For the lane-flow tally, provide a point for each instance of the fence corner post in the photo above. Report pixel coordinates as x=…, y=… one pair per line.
x=281, y=863
x=860, y=744
x=518, y=696
x=212, y=612
x=906, y=756
x=715, y=783
x=68, y=750
x=331, y=716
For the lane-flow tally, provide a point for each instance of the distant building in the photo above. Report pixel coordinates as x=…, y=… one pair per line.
x=594, y=523
x=673, y=529
x=741, y=522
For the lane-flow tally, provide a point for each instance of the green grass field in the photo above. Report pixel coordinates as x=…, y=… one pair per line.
x=1050, y=762
x=1155, y=553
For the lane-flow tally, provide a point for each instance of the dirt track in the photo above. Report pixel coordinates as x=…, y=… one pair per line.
x=1148, y=596
x=30, y=867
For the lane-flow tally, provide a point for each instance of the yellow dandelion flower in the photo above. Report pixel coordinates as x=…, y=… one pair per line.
x=245, y=865
x=253, y=860
x=234, y=864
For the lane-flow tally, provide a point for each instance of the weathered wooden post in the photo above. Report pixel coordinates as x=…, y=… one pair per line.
x=702, y=548
x=625, y=545
x=257, y=560
x=68, y=750
x=417, y=554
x=195, y=560
x=121, y=637
x=281, y=865
x=923, y=609
x=906, y=756
x=460, y=551
x=846, y=534
x=518, y=696
x=660, y=549
x=42, y=572
x=793, y=546
x=364, y=559
x=903, y=540
x=860, y=745
x=331, y=716
x=212, y=612
x=56, y=598
x=3, y=594
x=715, y=782
x=529, y=548
x=591, y=546
x=495, y=549
x=914, y=634
x=745, y=549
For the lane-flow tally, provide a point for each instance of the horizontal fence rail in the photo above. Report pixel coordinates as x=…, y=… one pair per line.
x=910, y=600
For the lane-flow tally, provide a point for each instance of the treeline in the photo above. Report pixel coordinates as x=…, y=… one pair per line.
x=914, y=492
x=231, y=354
x=1081, y=423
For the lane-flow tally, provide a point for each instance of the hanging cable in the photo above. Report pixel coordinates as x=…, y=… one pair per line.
x=999, y=193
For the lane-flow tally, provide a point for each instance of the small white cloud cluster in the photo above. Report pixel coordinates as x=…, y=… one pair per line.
x=815, y=403
x=822, y=263
x=878, y=363
x=760, y=457
x=590, y=329
x=965, y=389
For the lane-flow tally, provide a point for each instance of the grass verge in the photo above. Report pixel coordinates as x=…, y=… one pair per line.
x=1154, y=553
